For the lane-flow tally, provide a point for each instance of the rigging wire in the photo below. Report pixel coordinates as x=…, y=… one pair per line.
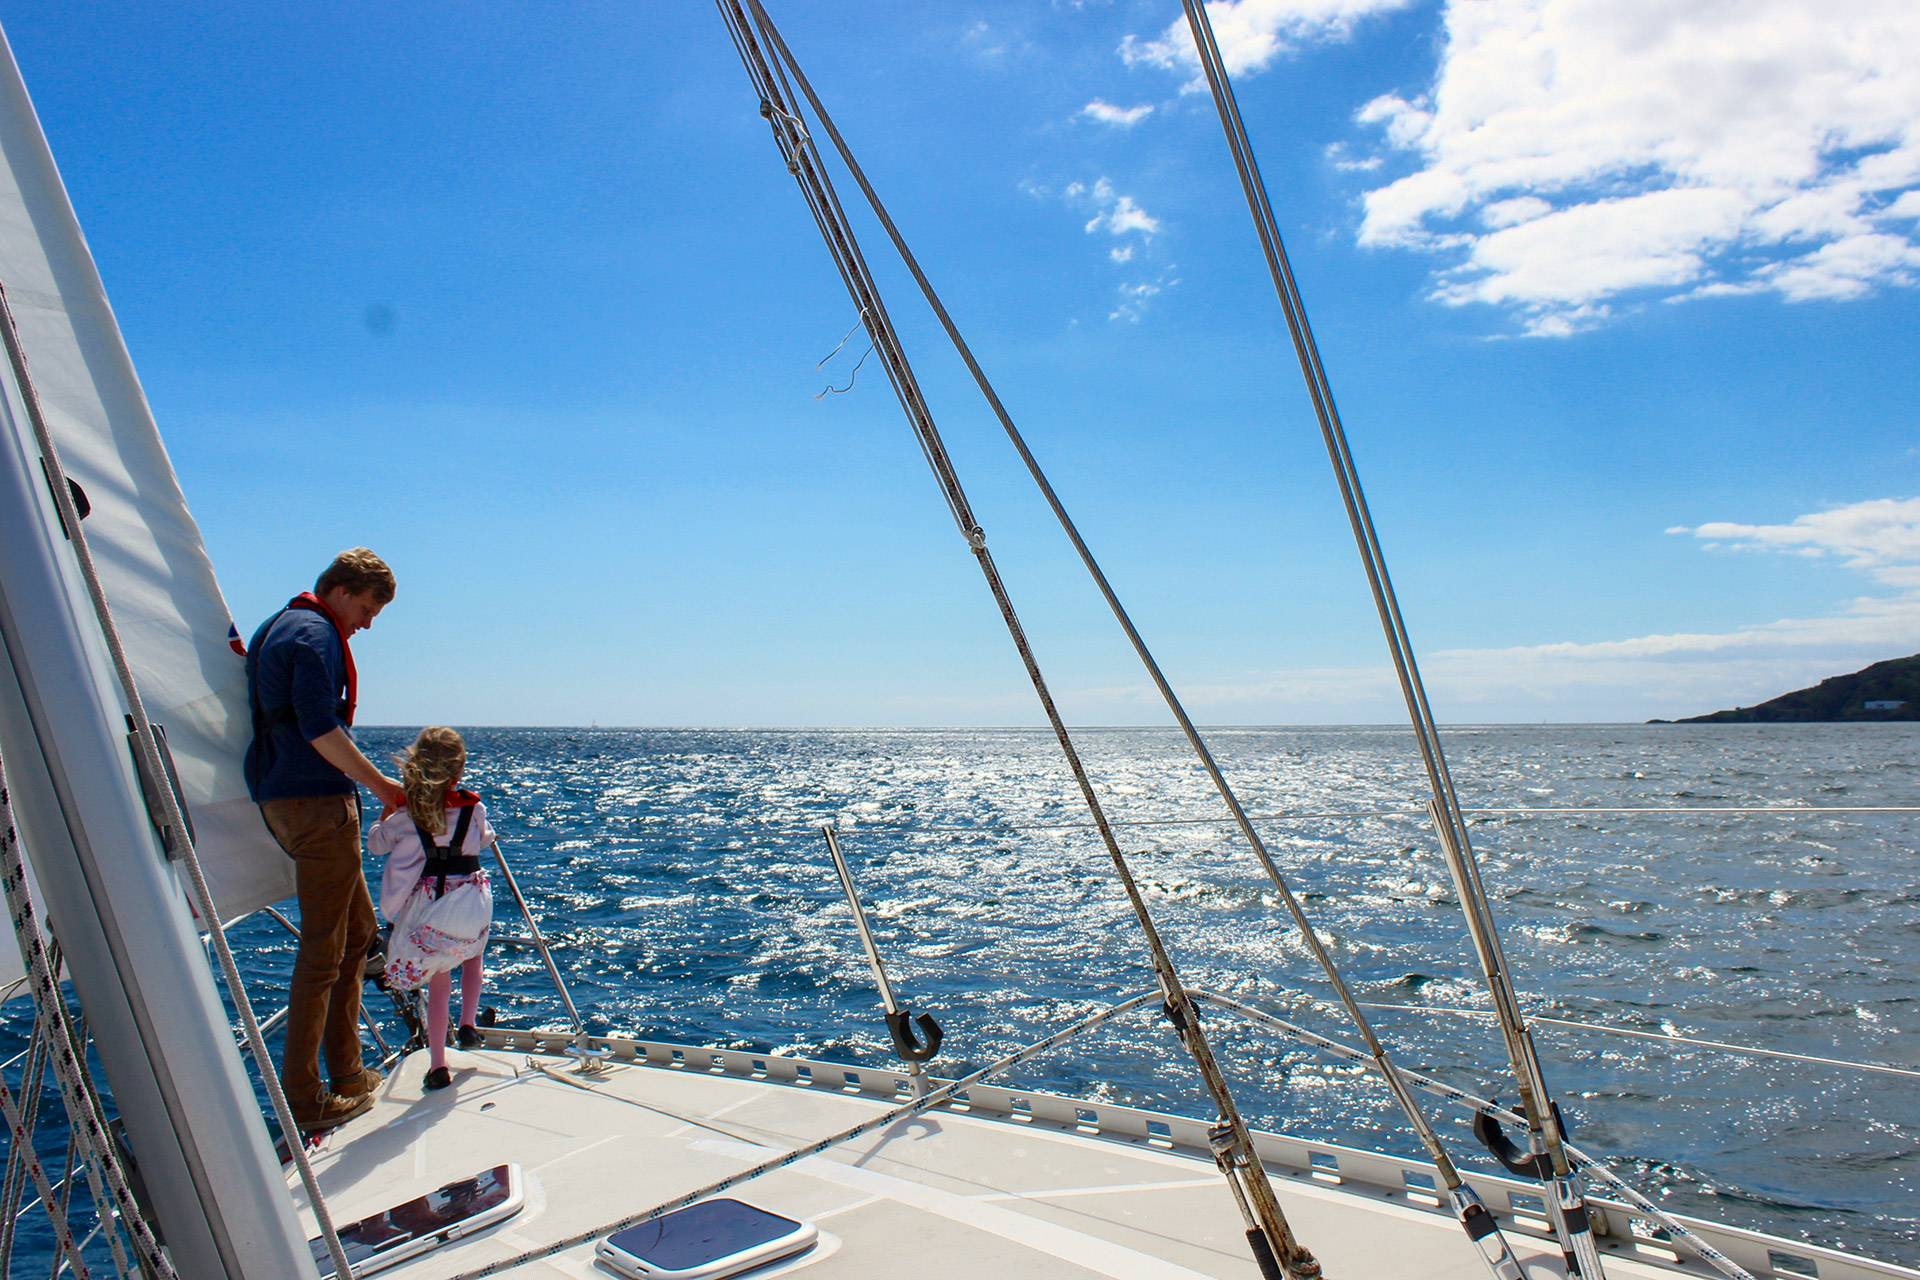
x=1566, y=1208
x=152, y=766
x=1473, y=1216
x=1267, y=1225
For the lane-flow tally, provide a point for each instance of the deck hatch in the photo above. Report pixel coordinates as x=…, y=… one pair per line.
x=1791, y=1264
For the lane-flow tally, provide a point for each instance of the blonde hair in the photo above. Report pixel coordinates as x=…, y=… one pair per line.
x=427, y=770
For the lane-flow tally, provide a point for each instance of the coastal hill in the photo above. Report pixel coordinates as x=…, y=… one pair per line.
x=1884, y=691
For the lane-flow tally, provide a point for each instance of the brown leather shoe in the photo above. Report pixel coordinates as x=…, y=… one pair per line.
x=327, y=1111
x=359, y=1084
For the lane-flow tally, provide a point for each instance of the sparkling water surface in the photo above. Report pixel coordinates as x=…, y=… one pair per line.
x=683, y=879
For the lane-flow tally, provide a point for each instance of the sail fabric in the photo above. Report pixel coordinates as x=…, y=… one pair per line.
x=153, y=564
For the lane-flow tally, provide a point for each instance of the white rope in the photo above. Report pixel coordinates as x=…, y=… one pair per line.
x=22, y=1143
x=150, y=764
x=843, y=342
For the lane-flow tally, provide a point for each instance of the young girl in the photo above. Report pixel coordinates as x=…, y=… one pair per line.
x=433, y=847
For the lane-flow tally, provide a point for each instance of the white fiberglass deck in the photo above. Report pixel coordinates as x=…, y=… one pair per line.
x=942, y=1194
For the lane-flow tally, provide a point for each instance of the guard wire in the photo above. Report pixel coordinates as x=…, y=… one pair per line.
x=1690, y=1041
x=1459, y=1097
x=179, y=831
x=1297, y=1262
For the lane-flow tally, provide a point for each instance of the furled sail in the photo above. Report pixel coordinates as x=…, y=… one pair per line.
x=178, y=633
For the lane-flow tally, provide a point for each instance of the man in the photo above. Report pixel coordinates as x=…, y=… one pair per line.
x=302, y=768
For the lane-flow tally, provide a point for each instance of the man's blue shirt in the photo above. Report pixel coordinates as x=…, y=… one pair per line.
x=297, y=677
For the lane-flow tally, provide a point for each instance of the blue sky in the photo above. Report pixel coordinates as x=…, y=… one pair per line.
x=1618, y=300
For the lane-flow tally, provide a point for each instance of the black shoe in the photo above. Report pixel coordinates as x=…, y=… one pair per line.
x=467, y=1037
x=438, y=1078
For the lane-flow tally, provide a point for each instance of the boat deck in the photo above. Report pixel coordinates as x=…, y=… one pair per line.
x=948, y=1193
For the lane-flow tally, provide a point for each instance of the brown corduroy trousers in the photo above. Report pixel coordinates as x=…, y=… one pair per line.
x=322, y=833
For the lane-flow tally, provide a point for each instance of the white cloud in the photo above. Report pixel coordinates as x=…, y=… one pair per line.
x=1342, y=159
x=1880, y=537
x=1659, y=150
x=1667, y=675
x=1693, y=672
x=1117, y=214
x=1119, y=117
x=1251, y=33
x=1134, y=298
x=1131, y=226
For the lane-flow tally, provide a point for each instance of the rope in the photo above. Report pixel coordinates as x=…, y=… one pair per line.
x=832, y=390
x=843, y=342
x=177, y=832
x=1664, y=1036
x=881, y=1121
x=829, y=215
x=1427, y=1084
x=32, y=1081
x=55, y=1028
x=21, y=1136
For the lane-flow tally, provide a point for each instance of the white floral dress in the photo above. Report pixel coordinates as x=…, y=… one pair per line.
x=436, y=928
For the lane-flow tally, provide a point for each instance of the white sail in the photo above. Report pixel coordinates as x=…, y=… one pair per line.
x=153, y=564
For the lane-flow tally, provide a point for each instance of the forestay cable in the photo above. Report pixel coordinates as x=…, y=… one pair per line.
x=1268, y=1234
x=1566, y=1209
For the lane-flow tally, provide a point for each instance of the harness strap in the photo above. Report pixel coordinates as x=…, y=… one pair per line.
x=450, y=862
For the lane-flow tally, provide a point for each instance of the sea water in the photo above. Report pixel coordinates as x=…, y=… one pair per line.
x=683, y=881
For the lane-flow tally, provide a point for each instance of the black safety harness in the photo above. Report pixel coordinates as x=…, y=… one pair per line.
x=449, y=861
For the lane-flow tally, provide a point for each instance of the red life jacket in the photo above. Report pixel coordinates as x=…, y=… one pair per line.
x=308, y=600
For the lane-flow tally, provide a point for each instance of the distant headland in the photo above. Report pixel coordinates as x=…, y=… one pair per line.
x=1884, y=691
